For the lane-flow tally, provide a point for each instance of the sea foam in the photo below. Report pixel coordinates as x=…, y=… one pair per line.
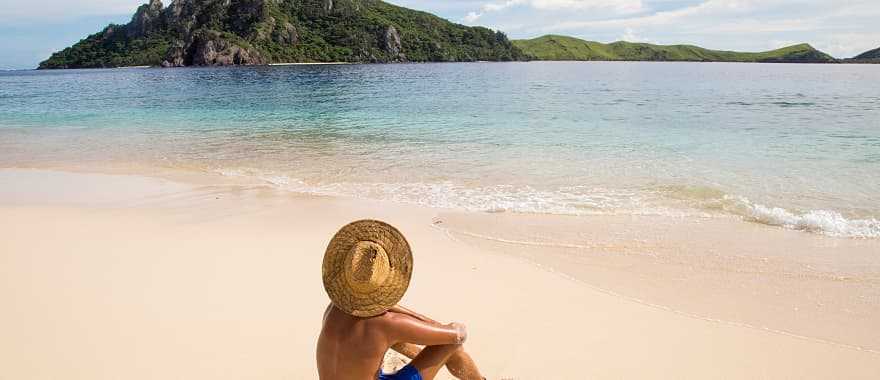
x=826, y=222
x=571, y=200
x=568, y=200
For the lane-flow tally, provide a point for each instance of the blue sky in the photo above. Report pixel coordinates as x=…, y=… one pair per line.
x=30, y=31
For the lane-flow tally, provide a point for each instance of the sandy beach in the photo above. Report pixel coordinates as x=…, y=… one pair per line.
x=120, y=276
x=618, y=189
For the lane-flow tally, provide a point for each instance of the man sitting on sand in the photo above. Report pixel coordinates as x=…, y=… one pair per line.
x=366, y=271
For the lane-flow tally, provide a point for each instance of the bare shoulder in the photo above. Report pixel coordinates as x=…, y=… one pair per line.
x=394, y=319
x=327, y=311
x=389, y=323
x=386, y=320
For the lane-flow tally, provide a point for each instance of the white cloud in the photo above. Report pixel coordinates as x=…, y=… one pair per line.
x=472, y=17
x=847, y=44
x=765, y=26
x=630, y=35
x=661, y=18
x=494, y=7
x=620, y=6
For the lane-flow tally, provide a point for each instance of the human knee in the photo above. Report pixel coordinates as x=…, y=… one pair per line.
x=451, y=349
x=461, y=331
x=456, y=348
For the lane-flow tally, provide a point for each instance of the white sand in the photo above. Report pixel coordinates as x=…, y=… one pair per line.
x=162, y=280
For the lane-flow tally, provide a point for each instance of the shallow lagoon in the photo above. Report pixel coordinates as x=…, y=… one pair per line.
x=782, y=144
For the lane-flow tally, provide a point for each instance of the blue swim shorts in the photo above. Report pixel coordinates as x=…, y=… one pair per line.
x=409, y=372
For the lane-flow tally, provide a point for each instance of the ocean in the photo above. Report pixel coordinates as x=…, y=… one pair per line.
x=788, y=145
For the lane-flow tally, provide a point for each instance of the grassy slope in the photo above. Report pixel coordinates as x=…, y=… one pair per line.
x=553, y=47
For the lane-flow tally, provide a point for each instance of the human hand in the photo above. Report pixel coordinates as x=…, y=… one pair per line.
x=461, y=332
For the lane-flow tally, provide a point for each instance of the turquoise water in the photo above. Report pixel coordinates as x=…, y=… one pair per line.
x=796, y=146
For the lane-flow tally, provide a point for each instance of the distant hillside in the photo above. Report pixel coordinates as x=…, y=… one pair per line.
x=226, y=32
x=562, y=48
x=870, y=56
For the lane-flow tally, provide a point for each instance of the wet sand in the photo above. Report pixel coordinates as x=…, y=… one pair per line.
x=116, y=276
x=719, y=269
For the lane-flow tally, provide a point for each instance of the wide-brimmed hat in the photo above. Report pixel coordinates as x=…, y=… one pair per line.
x=367, y=268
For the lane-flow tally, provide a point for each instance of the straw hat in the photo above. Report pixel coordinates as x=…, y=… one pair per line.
x=367, y=267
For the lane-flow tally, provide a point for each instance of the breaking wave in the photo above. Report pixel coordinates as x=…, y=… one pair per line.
x=826, y=222
x=578, y=200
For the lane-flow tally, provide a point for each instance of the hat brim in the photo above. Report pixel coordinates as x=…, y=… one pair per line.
x=390, y=291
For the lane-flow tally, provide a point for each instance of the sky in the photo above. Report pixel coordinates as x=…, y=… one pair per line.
x=31, y=30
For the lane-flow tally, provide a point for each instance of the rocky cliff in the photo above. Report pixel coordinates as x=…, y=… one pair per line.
x=253, y=32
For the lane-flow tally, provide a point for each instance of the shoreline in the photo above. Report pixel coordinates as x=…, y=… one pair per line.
x=828, y=222
x=225, y=271
x=309, y=63
x=844, y=61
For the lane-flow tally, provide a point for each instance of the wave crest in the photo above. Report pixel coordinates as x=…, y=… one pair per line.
x=826, y=222
x=579, y=200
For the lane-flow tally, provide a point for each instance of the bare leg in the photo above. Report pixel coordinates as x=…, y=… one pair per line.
x=456, y=360
x=432, y=358
x=462, y=366
x=407, y=349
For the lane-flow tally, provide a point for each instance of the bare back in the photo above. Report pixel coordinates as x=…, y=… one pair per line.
x=352, y=348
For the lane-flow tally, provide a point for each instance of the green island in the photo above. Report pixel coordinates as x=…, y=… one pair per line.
x=257, y=32
x=260, y=32
x=870, y=56
x=564, y=48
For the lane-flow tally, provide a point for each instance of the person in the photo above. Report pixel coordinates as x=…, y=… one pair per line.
x=366, y=270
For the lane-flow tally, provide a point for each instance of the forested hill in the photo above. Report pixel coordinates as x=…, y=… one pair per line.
x=562, y=48
x=247, y=32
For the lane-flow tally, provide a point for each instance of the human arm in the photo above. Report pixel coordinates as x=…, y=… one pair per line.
x=408, y=349
x=403, y=327
x=402, y=310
